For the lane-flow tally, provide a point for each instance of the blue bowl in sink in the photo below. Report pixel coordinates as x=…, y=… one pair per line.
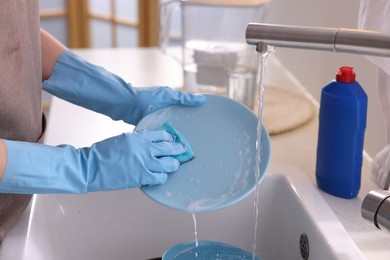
x=206, y=250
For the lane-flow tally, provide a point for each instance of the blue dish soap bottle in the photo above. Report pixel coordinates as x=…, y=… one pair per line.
x=342, y=122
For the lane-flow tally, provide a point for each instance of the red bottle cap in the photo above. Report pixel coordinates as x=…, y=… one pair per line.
x=346, y=75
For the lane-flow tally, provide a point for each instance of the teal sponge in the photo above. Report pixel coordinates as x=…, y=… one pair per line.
x=179, y=138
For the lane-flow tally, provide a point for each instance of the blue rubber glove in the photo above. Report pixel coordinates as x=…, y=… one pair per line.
x=93, y=87
x=120, y=162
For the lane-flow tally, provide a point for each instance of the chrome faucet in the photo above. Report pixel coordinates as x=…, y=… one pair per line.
x=376, y=204
x=318, y=38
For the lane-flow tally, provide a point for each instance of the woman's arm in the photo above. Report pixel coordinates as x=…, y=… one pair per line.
x=51, y=49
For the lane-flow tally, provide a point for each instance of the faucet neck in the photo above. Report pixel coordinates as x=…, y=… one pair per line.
x=319, y=38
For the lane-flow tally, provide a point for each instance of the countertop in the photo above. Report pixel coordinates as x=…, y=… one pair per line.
x=131, y=64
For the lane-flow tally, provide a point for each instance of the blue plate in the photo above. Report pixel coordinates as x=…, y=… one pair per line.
x=206, y=250
x=222, y=133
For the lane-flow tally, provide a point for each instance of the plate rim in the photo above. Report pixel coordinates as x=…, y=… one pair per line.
x=265, y=141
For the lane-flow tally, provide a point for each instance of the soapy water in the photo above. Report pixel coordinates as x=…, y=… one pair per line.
x=239, y=183
x=206, y=204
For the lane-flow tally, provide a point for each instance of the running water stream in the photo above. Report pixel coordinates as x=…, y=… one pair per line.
x=196, y=229
x=261, y=82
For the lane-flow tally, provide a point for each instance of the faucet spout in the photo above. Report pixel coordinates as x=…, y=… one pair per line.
x=319, y=38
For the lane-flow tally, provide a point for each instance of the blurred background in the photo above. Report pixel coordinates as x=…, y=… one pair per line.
x=101, y=23
x=134, y=23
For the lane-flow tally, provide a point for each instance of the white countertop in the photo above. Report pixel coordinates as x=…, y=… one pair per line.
x=146, y=67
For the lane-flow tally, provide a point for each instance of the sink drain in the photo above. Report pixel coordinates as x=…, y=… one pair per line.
x=304, y=246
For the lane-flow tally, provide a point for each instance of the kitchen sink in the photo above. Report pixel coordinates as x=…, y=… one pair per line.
x=294, y=222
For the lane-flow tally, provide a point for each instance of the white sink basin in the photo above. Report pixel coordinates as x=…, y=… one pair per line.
x=128, y=225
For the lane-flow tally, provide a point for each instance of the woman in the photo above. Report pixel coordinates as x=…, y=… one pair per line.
x=32, y=59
